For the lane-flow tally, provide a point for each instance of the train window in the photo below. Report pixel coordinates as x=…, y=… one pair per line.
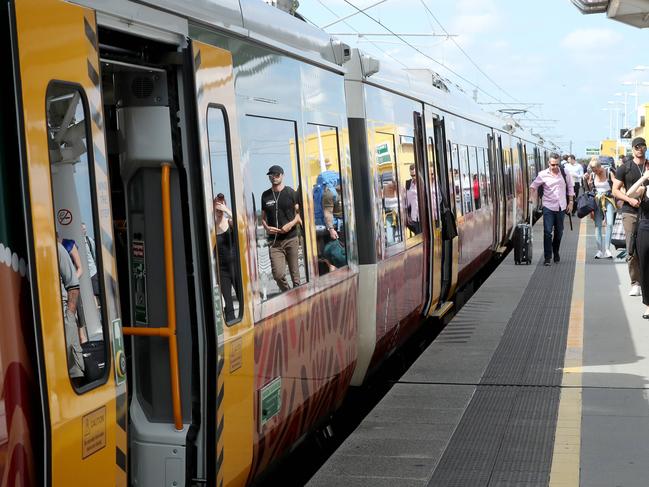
x=389, y=188
x=78, y=236
x=408, y=176
x=483, y=176
x=507, y=168
x=276, y=199
x=454, y=178
x=474, y=179
x=467, y=199
x=224, y=240
x=324, y=182
x=432, y=156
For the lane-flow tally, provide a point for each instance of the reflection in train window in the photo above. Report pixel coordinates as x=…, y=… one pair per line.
x=432, y=162
x=454, y=178
x=474, y=178
x=325, y=185
x=467, y=199
x=408, y=176
x=77, y=232
x=483, y=171
x=224, y=241
x=386, y=168
x=273, y=174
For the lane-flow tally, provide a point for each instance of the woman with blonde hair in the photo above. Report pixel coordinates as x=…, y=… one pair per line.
x=599, y=180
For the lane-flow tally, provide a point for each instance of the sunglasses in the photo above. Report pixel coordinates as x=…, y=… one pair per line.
x=640, y=146
x=274, y=174
x=554, y=165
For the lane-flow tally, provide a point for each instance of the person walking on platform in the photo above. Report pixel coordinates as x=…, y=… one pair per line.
x=576, y=171
x=626, y=176
x=641, y=248
x=558, y=193
x=600, y=181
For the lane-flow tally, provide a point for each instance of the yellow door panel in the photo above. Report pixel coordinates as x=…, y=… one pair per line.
x=235, y=384
x=58, y=41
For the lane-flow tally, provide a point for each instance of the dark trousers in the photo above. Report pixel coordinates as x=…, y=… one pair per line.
x=552, y=220
x=228, y=281
x=642, y=255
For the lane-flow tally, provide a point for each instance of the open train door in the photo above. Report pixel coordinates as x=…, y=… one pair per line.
x=447, y=270
x=80, y=357
x=229, y=406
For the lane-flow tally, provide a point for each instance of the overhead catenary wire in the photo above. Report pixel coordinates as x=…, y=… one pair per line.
x=371, y=42
x=477, y=66
x=402, y=39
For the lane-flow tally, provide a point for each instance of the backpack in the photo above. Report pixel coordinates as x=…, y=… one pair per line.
x=335, y=253
x=563, y=173
x=326, y=180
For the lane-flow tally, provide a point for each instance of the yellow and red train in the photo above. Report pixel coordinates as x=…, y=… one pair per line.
x=134, y=349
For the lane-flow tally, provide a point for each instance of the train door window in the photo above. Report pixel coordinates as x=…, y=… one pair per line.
x=507, y=162
x=273, y=173
x=386, y=165
x=78, y=236
x=474, y=177
x=454, y=177
x=408, y=176
x=483, y=175
x=465, y=177
x=225, y=242
x=325, y=185
x=434, y=194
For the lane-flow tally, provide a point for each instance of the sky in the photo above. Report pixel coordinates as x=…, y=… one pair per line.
x=530, y=52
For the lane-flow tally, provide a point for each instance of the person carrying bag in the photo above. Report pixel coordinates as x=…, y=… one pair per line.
x=600, y=185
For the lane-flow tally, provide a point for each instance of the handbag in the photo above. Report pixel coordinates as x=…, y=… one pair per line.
x=586, y=204
x=618, y=236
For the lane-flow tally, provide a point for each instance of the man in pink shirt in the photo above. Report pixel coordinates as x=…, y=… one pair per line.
x=557, y=185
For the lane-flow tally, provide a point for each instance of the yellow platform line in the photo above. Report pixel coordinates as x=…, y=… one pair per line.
x=567, y=439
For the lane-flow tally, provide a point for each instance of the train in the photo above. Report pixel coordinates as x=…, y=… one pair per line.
x=149, y=336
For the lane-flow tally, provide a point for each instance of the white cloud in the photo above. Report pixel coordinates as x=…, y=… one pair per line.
x=591, y=40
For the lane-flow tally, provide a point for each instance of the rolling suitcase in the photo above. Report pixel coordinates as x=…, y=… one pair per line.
x=523, y=242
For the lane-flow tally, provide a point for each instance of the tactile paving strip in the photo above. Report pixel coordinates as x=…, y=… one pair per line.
x=506, y=435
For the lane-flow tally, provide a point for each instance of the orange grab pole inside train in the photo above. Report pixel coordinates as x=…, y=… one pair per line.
x=170, y=330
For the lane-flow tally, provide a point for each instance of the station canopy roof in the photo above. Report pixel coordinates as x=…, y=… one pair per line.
x=632, y=12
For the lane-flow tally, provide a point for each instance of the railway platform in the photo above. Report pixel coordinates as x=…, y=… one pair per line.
x=540, y=379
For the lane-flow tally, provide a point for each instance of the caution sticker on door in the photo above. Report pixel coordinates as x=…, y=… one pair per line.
x=93, y=436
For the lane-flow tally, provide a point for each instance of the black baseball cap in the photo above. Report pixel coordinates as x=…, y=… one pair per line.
x=275, y=169
x=638, y=141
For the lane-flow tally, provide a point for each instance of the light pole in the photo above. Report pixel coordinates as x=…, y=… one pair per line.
x=610, y=121
x=617, y=124
x=625, y=109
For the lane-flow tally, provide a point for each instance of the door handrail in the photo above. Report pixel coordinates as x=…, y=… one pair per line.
x=169, y=331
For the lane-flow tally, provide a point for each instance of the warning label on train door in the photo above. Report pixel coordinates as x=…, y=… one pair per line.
x=138, y=274
x=93, y=427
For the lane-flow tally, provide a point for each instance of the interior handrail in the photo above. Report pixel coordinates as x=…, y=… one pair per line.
x=169, y=331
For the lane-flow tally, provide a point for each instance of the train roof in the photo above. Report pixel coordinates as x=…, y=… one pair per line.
x=250, y=19
x=436, y=92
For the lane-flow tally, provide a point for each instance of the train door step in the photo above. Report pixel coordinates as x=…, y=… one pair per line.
x=444, y=308
x=501, y=250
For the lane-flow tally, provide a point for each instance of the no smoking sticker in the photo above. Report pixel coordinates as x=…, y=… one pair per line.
x=64, y=216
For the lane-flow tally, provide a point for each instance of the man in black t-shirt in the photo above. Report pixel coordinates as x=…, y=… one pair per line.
x=626, y=175
x=280, y=215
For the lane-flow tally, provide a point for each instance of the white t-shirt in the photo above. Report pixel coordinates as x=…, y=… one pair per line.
x=575, y=170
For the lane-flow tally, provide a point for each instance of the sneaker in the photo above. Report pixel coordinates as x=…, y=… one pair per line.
x=598, y=255
x=547, y=262
x=635, y=291
x=557, y=258
x=608, y=254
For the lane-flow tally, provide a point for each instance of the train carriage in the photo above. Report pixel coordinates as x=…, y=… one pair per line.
x=149, y=335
